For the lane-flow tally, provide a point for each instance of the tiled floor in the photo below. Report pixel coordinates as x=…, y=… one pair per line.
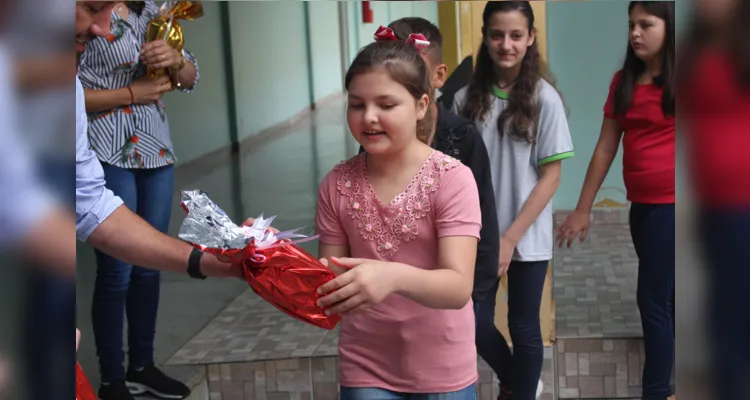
x=250, y=336
x=599, y=368
x=595, y=283
x=307, y=379
x=251, y=329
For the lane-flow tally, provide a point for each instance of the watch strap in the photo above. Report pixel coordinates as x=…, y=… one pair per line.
x=194, y=264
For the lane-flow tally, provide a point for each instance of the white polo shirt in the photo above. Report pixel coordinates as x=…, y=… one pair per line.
x=515, y=166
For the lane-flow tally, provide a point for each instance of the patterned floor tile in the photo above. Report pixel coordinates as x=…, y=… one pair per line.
x=250, y=329
x=595, y=281
x=329, y=345
x=599, y=368
x=317, y=379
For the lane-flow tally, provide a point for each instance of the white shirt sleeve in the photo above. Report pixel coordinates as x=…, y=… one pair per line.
x=553, y=140
x=94, y=202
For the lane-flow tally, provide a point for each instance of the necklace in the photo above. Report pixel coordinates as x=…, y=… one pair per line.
x=499, y=91
x=507, y=85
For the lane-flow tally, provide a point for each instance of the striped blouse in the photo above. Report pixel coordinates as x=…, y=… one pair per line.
x=134, y=136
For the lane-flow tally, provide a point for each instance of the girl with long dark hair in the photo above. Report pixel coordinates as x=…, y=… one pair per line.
x=640, y=111
x=522, y=120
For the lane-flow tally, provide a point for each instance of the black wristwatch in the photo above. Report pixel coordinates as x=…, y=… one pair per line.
x=194, y=264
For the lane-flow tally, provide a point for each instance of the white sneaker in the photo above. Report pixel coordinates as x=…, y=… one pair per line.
x=539, y=389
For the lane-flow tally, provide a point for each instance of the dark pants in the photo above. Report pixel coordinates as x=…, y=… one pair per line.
x=519, y=371
x=50, y=319
x=726, y=247
x=122, y=289
x=653, y=232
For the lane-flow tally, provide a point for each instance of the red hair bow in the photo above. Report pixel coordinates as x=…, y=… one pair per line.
x=385, y=33
x=416, y=39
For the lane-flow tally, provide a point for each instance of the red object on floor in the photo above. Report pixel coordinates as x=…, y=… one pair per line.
x=367, y=15
x=84, y=391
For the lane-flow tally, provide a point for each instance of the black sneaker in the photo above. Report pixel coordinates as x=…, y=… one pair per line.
x=151, y=380
x=114, y=391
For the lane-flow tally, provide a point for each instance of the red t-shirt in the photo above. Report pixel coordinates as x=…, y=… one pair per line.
x=715, y=108
x=648, y=145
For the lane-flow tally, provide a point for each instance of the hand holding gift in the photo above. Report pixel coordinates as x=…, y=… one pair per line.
x=158, y=55
x=164, y=39
x=276, y=268
x=357, y=289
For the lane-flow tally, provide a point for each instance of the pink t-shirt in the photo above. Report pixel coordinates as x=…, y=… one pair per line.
x=399, y=344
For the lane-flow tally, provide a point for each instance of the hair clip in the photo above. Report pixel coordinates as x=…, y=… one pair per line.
x=384, y=33
x=418, y=40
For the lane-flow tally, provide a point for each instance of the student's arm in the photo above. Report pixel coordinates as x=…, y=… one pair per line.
x=447, y=287
x=540, y=196
x=333, y=241
x=553, y=145
x=604, y=154
x=601, y=161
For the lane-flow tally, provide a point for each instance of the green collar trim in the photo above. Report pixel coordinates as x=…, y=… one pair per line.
x=500, y=93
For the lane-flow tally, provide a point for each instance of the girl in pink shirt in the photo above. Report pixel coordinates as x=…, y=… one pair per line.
x=401, y=221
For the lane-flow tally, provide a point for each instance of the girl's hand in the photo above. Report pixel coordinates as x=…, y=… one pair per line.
x=338, y=270
x=359, y=288
x=577, y=222
x=147, y=91
x=507, y=246
x=159, y=54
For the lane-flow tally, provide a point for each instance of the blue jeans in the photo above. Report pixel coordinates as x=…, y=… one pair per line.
x=520, y=370
x=51, y=308
x=350, y=393
x=122, y=289
x=724, y=234
x=653, y=232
